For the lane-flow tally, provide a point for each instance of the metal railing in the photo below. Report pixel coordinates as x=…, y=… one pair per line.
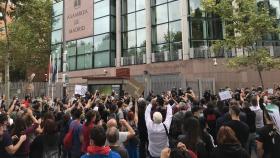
x=167, y=56
x=133, y=60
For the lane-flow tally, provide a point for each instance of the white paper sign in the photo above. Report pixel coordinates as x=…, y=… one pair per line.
x=225, y=95
x=81, y=90
x=270, y=91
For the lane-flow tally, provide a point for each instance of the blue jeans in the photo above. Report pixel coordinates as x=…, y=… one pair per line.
x=251, y=146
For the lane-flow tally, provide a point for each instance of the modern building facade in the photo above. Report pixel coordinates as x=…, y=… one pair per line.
x=164, y=43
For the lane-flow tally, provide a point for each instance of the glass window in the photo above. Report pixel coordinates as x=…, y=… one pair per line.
x=174, y=47
x=160, y=34
x=140, y=4
x=141, y=38
x=124, y=41
x=215, y=29
x=197, y=29
x=71, y=48
x=101, y=9
x=57, y=8
x=101, y=25
x=160, y=14
x=102, y=59
x=113, y=7
x=57, y=23
x=157, y=2
x=84, y=61
x=161, y=47
x=88, y=61
x=81, y=62
x=195, y=8
x=129, y=52
x=101, y=42
x=84, y=46
x=130, y=6
x=56, y=36
x=131, y=21
x=131, y=39
x=175, y=33
x=72, y=63
x=113, y=24
x=141, y=20
x=275, y=8
x=174, y=10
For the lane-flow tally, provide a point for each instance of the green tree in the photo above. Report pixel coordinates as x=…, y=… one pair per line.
x=27, y=38
x=246, y=24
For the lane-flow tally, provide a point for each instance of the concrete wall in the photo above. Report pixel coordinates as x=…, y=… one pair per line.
x=192, y=70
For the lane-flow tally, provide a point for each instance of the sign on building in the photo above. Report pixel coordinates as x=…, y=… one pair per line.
x=78, y=19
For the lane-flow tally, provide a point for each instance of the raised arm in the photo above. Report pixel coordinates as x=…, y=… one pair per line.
x=168, y=118
x=11, y=109
x=148, y=114
x=11, y=149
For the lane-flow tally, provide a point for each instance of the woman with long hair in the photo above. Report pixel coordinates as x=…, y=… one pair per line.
x=21, y=127
x=192, y=137
x=228, y=145
x=46, y=144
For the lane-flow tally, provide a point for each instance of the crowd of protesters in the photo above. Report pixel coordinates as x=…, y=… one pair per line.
x=174, y=124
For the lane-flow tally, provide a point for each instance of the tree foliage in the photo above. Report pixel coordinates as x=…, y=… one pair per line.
x=29, y=34
x=247, y=23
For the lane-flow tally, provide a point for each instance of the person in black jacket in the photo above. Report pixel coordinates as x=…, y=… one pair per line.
x=142, y=128
x=228, y=145
x=47, y=144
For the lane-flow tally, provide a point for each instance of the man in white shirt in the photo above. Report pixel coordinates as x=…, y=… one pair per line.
x=158, y=139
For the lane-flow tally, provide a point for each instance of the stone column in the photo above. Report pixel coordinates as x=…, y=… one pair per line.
x=185, y=29
x=118, y=33
x=148, y=32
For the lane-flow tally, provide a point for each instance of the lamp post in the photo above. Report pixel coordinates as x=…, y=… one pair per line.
x=64, y=74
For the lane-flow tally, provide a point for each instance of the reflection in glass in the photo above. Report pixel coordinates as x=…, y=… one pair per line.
x=131, y=21
x=101, y=9
x=72, y=63
x=131, y=39
x=101, y=42
x=130, y=6
x=160, y=34
x=84, y=61
x=175, y=33
x=101, y=25
x=140, y=4
x=57, y=23
x=102, y=59
x=157, y=2
x=129, y=52
x=215, y=29
x=56, y=36
x=198, y=29
x=174, y=10
x=141, y=38
x=161, y=48
x=275, y=8
x=141, y=20
x=57, y=9
x=84, y=46
x=195, y=8
x=71, y=48
x=160, y=14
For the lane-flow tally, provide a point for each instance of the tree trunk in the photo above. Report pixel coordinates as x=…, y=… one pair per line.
x=261, y=77
x=7, y=58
